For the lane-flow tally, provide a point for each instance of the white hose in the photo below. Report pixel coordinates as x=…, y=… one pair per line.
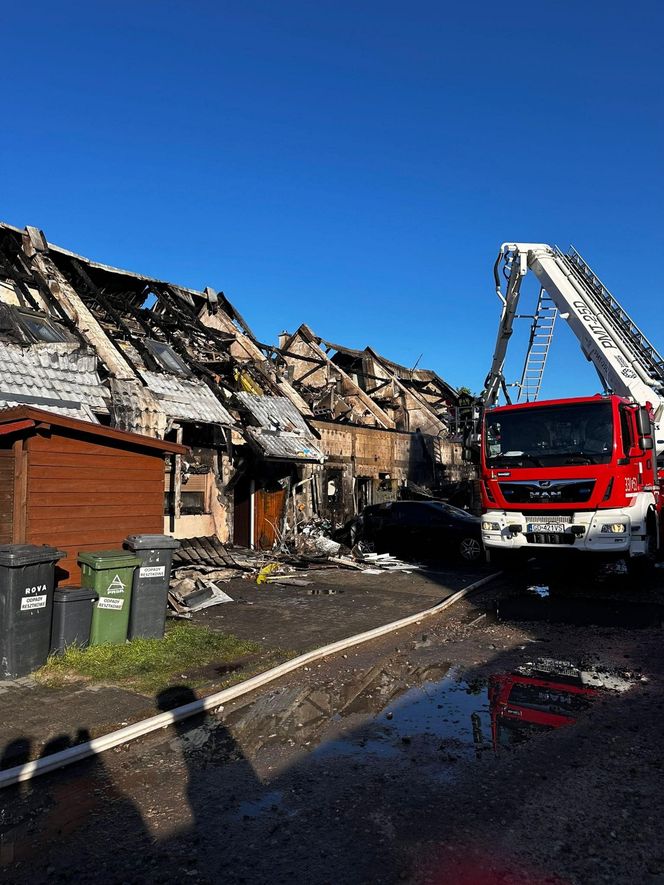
x=215, y=701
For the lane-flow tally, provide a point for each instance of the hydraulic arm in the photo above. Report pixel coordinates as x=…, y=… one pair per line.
x=626, y=362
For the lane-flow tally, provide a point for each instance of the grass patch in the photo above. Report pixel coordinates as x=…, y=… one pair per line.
x=149, y=665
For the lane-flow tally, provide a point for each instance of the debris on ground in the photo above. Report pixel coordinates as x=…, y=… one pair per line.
x=218, y=575
x=203, y=563
x=203, y=552
x=192, y=595
x=314, y=539
x=267, y=570
x=383, y=561
x=288, y=582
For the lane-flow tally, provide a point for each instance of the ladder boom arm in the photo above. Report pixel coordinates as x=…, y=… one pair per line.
x=614, y=346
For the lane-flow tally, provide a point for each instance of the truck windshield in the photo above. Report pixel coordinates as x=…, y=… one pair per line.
x=549, y=436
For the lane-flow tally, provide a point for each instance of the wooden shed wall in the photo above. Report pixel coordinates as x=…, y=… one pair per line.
x=6, y=495
x=89, y=495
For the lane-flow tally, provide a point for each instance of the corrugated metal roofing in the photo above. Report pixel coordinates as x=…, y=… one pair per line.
x=283, y=432
x=283, y=445
x=274, y=412
x=58, y=377
x=187, y=399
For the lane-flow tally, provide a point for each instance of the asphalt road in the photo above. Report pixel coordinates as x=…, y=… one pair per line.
x=432, y=756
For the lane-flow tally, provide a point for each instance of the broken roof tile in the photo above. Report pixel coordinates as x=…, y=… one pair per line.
x=187, y=399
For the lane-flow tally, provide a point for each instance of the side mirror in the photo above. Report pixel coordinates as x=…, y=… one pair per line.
x=643, y=423
x=646, y=443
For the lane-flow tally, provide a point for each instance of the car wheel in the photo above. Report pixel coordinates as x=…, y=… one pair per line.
x=470, y=549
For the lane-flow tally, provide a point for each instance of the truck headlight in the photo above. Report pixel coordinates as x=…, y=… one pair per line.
x=490, y=526
x=614, y=528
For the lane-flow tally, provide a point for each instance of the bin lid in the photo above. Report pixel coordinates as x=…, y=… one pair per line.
x=109, y=559
x=151, y=542
x=14, y=555
x=74, y=594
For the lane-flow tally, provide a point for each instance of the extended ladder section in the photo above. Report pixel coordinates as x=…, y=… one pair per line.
x=608, y=307
x=626, y=361
x=541, y=335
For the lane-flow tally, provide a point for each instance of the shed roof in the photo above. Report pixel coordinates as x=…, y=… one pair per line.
x=24, y=417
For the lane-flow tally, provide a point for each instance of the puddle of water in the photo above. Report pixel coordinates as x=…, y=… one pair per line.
x=425, y=715
x=445, y=716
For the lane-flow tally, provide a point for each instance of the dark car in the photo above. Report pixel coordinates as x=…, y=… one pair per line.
x=428, y=528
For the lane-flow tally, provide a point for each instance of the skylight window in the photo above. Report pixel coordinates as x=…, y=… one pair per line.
x=40, y=328
x=167, y=358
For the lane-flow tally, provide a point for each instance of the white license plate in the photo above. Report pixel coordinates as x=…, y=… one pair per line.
x=547, y=527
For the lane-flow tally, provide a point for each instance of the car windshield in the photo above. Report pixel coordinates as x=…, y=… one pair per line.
x=576, y=433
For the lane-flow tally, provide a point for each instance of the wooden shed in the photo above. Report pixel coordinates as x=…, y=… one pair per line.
x=77, y=485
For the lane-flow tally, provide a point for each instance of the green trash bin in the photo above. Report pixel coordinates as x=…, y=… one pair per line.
x=110, y=573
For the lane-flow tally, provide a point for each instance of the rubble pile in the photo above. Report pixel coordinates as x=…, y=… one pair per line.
x=203, y=564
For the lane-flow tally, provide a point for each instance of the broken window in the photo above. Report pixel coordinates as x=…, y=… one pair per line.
x=166, y=357
x=333, y=486
x=40, y=328
x=195, y=494
x=192, y=503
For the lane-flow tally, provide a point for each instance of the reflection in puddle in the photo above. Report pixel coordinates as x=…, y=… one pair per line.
x=446, y=717
x=543, y=696
x=428, y=715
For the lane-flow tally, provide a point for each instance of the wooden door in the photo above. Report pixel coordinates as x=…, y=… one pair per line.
x=268, y=517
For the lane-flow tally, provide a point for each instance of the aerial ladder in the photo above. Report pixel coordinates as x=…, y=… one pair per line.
x=543, y=483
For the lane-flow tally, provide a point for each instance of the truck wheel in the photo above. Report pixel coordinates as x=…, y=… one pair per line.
x=470, y=549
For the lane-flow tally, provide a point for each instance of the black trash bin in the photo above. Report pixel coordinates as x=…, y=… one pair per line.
x=72, y=617
x=149, y=597
x=27, y=579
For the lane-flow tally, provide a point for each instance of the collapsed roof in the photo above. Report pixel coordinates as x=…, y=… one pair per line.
x=363, y=387
x=95, y=340
x=104, y=344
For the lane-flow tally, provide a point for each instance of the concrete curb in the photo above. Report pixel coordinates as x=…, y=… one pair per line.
x=215, y=701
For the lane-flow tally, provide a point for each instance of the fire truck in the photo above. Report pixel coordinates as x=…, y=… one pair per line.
x=579, y=474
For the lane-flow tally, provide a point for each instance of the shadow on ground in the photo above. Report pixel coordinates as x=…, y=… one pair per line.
x=248, y=800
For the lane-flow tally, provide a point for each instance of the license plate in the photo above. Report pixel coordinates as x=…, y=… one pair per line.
x=547, y=527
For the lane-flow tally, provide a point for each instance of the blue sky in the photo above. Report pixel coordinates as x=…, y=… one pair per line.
x=354, y=166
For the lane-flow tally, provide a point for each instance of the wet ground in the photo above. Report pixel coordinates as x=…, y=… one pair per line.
x=282, y=620
x=479, y=747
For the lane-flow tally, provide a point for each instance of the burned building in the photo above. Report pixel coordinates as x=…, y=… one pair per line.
x=139, y=354
x=387, y=431
x=275, y=434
